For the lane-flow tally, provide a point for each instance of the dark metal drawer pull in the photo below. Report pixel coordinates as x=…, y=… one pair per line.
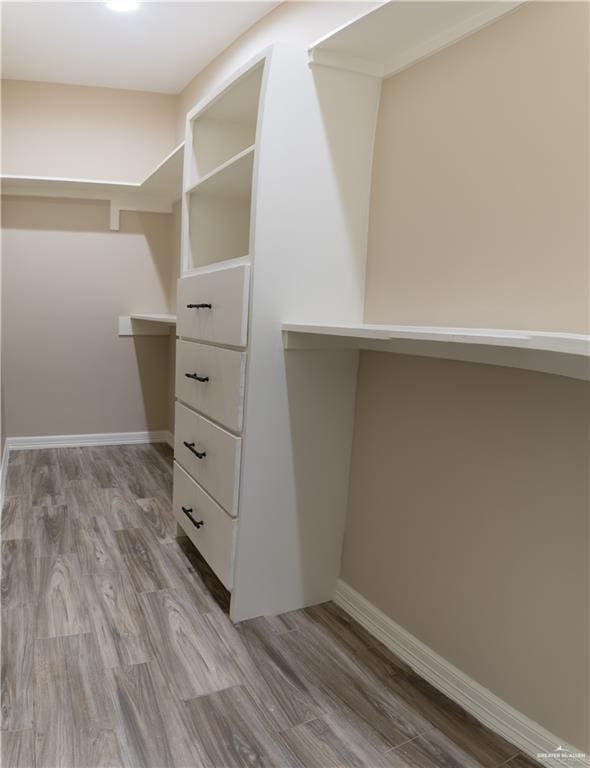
x=192, y=449
x=196, y=377
x=198, y=306
x=187, y=511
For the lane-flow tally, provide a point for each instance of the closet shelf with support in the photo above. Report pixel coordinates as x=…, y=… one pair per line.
x=156, y=193
x=395, y=35
x=564, y=354
x=146, y=324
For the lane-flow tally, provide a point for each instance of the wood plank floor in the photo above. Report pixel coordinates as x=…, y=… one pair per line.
x=117, y=649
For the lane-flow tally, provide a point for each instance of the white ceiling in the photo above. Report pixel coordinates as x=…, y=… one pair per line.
x=159, y=47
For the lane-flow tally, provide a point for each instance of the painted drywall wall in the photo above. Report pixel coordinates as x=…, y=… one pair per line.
x=67, y=277
x=66, y=280
x=480, y=182
x=468, y=511
x=81, y=132
x=468, y=524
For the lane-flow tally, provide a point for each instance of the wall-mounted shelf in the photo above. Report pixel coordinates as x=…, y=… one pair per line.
x=396, y=35
x=156, y=193
x=146, y=325
x=563, y=354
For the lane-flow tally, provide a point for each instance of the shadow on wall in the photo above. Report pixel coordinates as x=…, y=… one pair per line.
x=162, y=234
x=154, y=379
x=320, y=391
x=350, y=171
x=55, y=214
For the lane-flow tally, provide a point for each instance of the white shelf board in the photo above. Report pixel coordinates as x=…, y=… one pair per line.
x=146, y=325
x=217, y=266
x=231, y=179
x=165, y=180
x=397, y=34
x=565, y=354
x=156, y=193
x=166, y=319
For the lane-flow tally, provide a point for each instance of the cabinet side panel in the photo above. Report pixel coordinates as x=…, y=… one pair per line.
x=310, y=226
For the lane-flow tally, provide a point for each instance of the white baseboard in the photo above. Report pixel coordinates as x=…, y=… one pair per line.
x=76, y=441
x=527, y=736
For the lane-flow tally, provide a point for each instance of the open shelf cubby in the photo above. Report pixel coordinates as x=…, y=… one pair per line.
x=219, y=213
x=227, y=127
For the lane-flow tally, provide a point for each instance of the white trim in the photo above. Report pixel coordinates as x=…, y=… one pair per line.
x=156, y=193
x=75, y=441
x=169, y=439
x=354, y=64
x=526, y=735
x=560, y=354
x=322, y=53
x=448, y=37
x=3, y=473
x=145, y=325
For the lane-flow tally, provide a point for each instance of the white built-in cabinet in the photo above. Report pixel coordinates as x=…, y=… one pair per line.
x=263, y=437
x=276, y=195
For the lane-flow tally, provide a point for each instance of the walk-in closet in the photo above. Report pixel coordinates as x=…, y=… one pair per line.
x=294, y=371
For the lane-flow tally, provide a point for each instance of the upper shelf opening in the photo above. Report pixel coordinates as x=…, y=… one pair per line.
x=227, y=126
x=399, y=33
x=219, y=213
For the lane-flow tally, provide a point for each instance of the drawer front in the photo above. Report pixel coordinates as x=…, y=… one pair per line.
x=211, y=530
x=226, y=320
x=218, y=471
x=221, y=396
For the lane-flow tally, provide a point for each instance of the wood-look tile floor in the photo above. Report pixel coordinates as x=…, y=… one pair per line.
x=117, y=649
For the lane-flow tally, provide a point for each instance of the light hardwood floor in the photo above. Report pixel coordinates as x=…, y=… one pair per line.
x=117, y=649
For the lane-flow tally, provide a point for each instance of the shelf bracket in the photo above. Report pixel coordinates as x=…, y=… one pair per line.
x=114, y=216
x=128, y=326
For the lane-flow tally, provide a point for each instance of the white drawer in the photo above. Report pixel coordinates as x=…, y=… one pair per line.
x=226, y=320
x=218, y=470
x=221, y=396
x=210, y=529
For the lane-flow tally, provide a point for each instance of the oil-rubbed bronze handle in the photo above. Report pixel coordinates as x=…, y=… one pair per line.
x=187, y=511
x=198, y=306
x=196, y=377
x=192, y=449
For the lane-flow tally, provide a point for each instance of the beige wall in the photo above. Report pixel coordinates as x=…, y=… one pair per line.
x=66, y=280
x=468, y=514
x=480, y=189
x=468, y=524
x=67, y=277
x=82, y=132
